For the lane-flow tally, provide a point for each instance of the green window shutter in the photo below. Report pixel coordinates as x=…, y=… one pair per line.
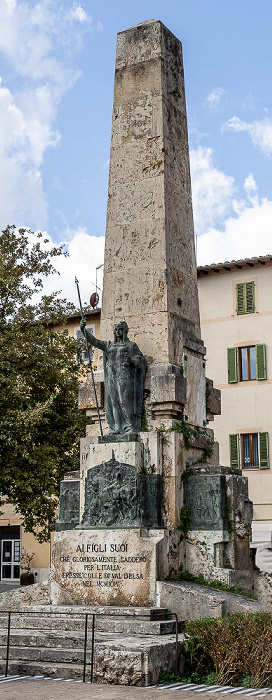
x=232, y=365
x=260, y=362
x=249, y=297
x=240, y=298
x=234, y=451
x=263, y=451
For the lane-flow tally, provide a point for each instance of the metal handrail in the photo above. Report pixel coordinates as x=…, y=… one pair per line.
x=86, y=615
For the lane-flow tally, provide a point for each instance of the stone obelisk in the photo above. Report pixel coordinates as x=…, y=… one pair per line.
x=150, y=268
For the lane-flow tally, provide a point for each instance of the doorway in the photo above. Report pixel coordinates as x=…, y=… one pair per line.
x=10, y=560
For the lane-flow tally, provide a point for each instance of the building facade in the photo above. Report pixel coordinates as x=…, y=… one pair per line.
x=236, y=319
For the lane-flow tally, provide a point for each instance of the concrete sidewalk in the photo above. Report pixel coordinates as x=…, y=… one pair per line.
x=59, y=690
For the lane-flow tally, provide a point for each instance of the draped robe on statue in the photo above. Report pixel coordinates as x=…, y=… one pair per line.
x=124, y=373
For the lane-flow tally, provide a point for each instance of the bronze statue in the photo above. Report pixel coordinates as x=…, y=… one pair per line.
x=124, y=373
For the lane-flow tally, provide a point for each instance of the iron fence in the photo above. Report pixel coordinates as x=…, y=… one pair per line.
x=87, y=616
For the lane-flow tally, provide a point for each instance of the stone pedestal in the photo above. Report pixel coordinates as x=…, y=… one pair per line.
x=220, y=515
x=105, y=567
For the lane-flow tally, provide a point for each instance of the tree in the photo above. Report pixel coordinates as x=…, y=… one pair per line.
x=40, y=423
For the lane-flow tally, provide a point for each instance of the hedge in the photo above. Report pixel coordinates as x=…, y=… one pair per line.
x=234, y=648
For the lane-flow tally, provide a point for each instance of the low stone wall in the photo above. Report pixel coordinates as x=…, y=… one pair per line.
x=25, y=595
x=191, y=601
x=263, y=590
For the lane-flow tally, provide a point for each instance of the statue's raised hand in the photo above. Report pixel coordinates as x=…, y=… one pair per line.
x=83, y=324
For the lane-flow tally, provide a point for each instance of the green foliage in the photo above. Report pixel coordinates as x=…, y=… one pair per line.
x=40, y=424
x=168, y=677
x=237, y=649
x=215, y=583
x=26, y=560
x=190, y=433
x=144, y=423
x=185, y=520
x=192, y=677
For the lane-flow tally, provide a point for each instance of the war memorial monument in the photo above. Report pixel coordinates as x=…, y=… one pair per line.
x=150, y=499
x=150, y=496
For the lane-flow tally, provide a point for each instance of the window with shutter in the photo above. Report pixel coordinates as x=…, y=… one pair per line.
x=261, y=361
x=251, y=363
x=249, y=298
x=245, y=298
x=240, y=298
x=263, y=450
x=234, y=451
x=232, y=365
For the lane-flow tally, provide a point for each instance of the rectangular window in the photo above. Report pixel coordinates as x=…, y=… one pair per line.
x=245, y=298
x=245, y=364
x=253, y=448
x=78, y=336
x=250, y=451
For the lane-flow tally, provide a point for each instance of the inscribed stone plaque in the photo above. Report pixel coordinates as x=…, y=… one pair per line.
x=205, y=495
x=105, y=567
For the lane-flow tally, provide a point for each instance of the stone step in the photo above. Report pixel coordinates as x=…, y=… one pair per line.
x=37, y=638
x=120, y=660
x=33, y=624
x=50, y=670
x=120, y=623
x=139, y=612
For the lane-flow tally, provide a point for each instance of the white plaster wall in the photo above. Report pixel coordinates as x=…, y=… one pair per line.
x=246, y=406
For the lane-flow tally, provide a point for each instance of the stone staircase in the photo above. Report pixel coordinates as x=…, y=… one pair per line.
x=131, y=645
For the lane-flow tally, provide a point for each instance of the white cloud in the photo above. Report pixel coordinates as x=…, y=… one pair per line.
x=214, y=97
x=260, y=132
x=99, y=26
x=246, y=233
x=32, y=38
x=77, y=12
x=212, y=190
x=85, y=254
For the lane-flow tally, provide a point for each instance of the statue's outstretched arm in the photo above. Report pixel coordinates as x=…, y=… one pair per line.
x=92, y=340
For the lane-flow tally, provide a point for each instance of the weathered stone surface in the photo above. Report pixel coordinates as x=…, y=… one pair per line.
x=105, y=567
x=149, y=234
x=118, y=657
x=167, y=385
x=86, y=397
x=213, y=399
x=190, y=601
x=27, y=595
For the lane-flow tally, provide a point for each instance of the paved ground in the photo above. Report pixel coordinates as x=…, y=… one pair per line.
x=8, y=586
x=12, y=689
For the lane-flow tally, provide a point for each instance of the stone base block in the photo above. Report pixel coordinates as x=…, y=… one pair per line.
x=191, y=601
x=105, y=567
x=92, y=453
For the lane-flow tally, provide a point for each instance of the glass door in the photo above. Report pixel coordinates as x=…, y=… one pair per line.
x=10, y=560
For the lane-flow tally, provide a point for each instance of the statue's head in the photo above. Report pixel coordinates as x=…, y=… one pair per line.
x=121, y=331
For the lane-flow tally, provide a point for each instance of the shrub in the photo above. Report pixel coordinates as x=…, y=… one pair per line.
x=234, y=648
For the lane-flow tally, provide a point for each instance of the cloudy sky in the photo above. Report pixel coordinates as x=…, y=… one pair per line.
x=56, y=88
